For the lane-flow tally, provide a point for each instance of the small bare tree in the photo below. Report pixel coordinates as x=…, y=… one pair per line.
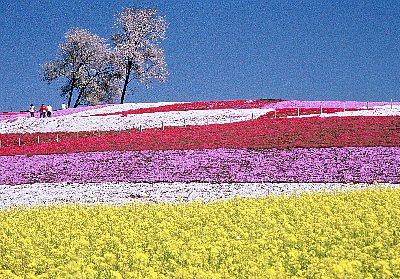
x=138, y=54
x=85, y=62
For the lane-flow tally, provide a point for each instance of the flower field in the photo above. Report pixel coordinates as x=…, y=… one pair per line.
x=213, y=105
x=345, y=235
x=222, y=189
x=350, y=164
x=258, y=133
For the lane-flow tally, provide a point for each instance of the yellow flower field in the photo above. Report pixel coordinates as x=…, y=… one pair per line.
x=354, y=234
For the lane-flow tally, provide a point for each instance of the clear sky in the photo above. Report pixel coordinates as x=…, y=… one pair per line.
x=220, y=50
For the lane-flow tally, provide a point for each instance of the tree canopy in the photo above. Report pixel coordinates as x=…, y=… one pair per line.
x=93, y=73
x=85, y=63
x=137, y=47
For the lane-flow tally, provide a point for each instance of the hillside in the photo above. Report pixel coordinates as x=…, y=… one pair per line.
x=243, y=141
x=223, y=189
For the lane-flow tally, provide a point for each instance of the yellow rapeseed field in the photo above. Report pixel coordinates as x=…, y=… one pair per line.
x=354, y=234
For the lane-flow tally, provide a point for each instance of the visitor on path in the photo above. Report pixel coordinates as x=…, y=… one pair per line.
x=32, y=110
x=49, y=110
x=42, y=111
x=63, y=106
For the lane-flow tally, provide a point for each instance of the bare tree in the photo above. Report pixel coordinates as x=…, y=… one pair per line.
x=85, y=63
x=138, y=54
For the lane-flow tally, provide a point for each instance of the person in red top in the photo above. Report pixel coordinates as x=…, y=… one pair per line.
x=43, y=110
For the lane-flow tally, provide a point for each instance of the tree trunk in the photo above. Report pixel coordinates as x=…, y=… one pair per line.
x=128, y=73
x=70, y=97
x=78, y=99
x=71, y=92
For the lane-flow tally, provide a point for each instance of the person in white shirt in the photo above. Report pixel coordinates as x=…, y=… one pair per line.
x=63, y=106
x=49, y=110
x=32, y=110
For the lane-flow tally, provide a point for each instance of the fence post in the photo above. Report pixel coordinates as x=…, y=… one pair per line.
x=252, y=116
x=38, y=139
x=98, y=133
x=19, y=141
x=184, y=122
x=56, y=137
x=367, y=105
x=140, y=128
x=320, y=109
x=275, y=113
x=344, y=107
x=391, y=103
x=0, y=143
x=298, y=111
x=162, y=125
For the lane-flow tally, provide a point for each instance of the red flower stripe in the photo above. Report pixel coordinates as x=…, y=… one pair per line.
x=355, y=131
x=234, y=104
x=283, y=112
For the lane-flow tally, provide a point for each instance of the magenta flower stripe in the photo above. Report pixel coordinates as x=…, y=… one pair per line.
x=325, y=104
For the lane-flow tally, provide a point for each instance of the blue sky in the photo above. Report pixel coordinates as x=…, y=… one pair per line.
x=220, y=50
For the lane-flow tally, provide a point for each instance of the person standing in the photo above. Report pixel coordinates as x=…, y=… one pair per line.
x=42, y=111
x=49, y=110
x=63, y=106
x=32, y=110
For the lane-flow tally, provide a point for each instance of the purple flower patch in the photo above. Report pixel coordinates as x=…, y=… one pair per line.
x=349, y=164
